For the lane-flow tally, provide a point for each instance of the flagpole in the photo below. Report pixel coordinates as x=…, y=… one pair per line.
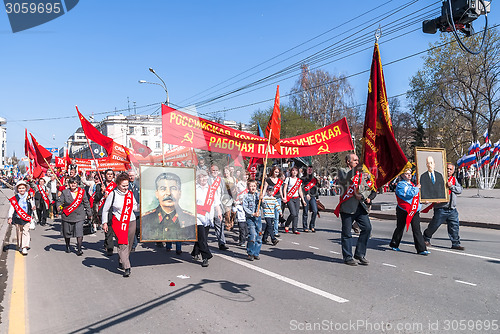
x=50, y=167
x=264, y=171
x=93, y=157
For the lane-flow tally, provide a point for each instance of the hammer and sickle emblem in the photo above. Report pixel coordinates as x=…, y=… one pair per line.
x=324, y=149
x=188, y=138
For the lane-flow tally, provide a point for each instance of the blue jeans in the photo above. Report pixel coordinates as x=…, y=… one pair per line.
x=178, y=245
x=442, y=215
x=310, y=204
x=361, y=217
x=254, y=235
x=277, y=217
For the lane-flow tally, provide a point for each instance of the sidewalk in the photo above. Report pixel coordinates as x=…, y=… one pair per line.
x=474, y=211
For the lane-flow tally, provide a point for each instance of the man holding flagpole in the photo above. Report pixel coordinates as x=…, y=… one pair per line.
x=353, y=207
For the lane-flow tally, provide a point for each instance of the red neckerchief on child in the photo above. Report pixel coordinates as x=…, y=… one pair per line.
x=76, y=202
x=349, y=193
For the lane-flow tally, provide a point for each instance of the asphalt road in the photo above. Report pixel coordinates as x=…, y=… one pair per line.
x=300, y=285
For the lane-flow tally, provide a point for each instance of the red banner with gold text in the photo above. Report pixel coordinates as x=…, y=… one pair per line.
x=191, y=131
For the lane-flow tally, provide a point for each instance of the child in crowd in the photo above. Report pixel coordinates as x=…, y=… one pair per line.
x=269, y=206
x=241, y=191
x=254, y=223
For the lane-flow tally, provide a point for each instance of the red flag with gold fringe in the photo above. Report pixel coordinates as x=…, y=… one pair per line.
x=383, y=158
x=43, y=156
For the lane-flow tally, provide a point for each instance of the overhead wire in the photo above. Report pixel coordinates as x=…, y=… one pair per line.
x=297, y=64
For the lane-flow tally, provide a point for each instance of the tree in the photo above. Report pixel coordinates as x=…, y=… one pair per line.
x=456, y=96
x=402, y=124
x=324, y=98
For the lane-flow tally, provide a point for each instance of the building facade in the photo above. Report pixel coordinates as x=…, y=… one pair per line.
x=146, y=129
x=3, y=141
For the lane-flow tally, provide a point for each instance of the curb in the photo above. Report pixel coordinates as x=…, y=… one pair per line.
x=427, y=220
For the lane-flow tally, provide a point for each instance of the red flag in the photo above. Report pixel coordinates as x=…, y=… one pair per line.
x=93, y=134
x=67, y=159
x=29, y=151
x=43, y=156
x=273, y=128
x=59, y=162
x=140, y=148
x=382, y=156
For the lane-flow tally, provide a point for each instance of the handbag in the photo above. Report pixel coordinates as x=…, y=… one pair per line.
x=321, y=206
x=87, y=227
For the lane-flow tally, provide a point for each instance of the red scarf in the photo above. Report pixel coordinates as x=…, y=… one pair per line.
x=411, y=209
x=209, y=200
x=349, y=193
x=31, y=192
x=120, y=227
x=44, y=195
x=91, y=199
x=108, y=191
x=311, y=184
x=20, y=212
x=293, y=190
x=277, y=186
x=453, y=181
x=76, y=202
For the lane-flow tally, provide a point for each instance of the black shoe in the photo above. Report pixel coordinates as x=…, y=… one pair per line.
x=362, y=260
x=277, y=235
x=223, y=247
x=120, y=265
x=178, y=252
x=204, y=263
x=351, y=262
x=265, y=242
x=196, y=257
x=275, y=242
x=67, y=250
x=132, y=250
x=126, y=273
x=79, y=253
x=109, y=252
x=458, y=247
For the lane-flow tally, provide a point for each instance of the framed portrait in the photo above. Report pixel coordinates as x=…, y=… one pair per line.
x=431, y=174
x=168, y=204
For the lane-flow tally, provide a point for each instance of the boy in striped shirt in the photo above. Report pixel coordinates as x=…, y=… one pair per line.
x=269, y=207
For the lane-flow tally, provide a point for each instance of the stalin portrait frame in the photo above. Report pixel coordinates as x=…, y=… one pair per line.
x=168, y=204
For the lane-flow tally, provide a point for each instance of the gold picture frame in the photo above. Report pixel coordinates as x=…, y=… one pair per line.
x=158, y=221
x=431, y=174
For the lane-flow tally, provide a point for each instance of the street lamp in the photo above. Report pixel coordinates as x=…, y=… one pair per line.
x=164, y=86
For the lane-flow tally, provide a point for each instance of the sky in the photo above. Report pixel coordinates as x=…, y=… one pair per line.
x=94, y=55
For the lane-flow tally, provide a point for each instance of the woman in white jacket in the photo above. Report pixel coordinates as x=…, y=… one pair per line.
x=122, y=204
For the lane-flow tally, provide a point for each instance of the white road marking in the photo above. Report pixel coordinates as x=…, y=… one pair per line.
x=333, y=252
x=460, y=253
x=463, y=282
x=313, y=247
x=285, y=279
x=422, y=272
x=389, y=265
x=295, y=243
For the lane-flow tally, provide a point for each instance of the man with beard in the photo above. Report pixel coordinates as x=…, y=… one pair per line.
x=168, y=222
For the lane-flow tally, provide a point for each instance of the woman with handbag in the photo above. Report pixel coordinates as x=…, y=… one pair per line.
x=20, y=213
x=119, y=207
x=75, y=208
